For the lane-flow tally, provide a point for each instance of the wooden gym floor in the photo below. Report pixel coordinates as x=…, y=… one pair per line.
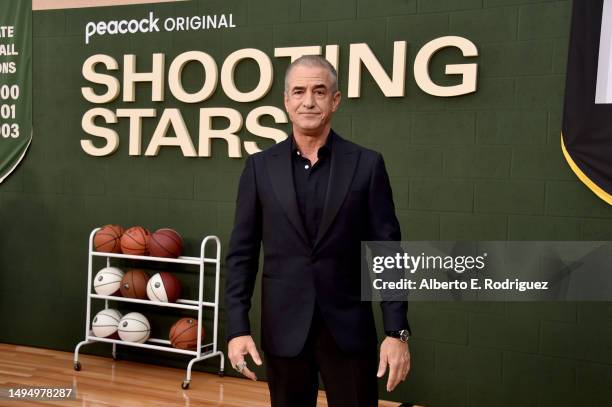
x=103, y=382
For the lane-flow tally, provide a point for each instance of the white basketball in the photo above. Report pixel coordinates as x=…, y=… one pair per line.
x=134, y=327
x=106, y=323
x=156, y=291
x=108, y=280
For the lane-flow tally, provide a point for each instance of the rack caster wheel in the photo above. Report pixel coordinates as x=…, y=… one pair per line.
x=77, y=366
x=221, y=373
x=185, y=385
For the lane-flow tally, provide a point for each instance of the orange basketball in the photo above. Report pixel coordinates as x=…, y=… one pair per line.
x=108, y=239
x=165, y=243
x=135, y=241
x=184, y=334
x=134, y=284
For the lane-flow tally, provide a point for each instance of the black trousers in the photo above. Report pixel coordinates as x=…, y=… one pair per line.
x=349, y=379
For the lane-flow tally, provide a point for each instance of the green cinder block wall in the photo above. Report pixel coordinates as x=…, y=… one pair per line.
x=486, y=166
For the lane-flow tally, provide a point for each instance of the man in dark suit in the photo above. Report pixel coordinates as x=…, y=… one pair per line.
x=311, y=200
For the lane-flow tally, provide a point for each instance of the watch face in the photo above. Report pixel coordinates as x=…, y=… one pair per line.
x=404, y=335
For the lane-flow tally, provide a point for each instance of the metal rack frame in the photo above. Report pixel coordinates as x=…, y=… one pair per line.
x=153, y=343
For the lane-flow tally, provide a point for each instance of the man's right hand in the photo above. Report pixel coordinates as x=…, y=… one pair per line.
x=237, y=348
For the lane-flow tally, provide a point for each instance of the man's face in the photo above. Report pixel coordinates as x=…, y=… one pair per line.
x=309, y=99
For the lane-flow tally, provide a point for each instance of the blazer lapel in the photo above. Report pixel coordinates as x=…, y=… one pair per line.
x=281, y=174
x=344, y=159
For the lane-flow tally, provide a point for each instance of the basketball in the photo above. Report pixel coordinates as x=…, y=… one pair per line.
x=108, y=239
x=164, y=287
x=135, y=241
x=134, y=327
x=108, y=281
x=134, y=284
x=106, y=323
x=184, y=334
x=166, y=243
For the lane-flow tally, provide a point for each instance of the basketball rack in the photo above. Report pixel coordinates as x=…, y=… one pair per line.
x=203, y=351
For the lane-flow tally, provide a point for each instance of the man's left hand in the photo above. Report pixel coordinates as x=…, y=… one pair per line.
x=396, y=354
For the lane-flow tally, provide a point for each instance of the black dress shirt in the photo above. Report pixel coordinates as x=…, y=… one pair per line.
x=311, y=185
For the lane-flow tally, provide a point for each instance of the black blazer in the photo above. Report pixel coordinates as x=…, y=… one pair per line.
x=296, y=273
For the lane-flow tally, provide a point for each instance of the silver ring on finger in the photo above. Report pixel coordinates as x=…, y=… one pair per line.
x=240, y=366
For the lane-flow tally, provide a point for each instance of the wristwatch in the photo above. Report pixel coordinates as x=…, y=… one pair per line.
x=402, y=335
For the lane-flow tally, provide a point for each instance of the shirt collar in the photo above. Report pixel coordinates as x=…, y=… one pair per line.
x=324, y=150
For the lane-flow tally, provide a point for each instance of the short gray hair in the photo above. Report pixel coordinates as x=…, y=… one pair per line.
x=313, y=61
